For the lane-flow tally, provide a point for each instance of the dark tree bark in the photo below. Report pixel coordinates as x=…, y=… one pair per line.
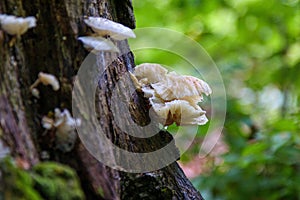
x=52, y=47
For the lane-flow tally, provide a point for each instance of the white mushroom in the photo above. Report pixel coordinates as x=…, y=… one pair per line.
x=148, y=73
x=103, y=27
x=65, y=125
x=65, y=130
x=98, y=44
x=46, y=79
x=180, y=112
x=175, y=86
x=173, y=97
x=49, y=79
x=16, y=25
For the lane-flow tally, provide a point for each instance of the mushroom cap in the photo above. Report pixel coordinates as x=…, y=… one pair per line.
x=148, y=73
x=180, y=112
x=201, y=86
x=98, y=44
x=49, y=79
x=16, y=25
x=103, y=26
x=175, y=86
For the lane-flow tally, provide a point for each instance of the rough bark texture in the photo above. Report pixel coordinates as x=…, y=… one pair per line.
x=53, y=47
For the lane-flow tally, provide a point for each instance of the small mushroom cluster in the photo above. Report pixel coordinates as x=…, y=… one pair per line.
x=173, y=97
x=65, y=126
x=63, y=123
x=103, y=28
x=16, y=25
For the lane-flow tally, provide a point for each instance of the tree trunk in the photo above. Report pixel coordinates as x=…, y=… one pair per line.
x=52, y=47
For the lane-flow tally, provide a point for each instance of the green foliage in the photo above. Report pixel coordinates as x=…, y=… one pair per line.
x=256, y=46
x=45, y=181
x=56, y=181
x=265, y=167
x=16, y=183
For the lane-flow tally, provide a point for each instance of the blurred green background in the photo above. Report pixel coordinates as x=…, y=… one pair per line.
x=256, y=46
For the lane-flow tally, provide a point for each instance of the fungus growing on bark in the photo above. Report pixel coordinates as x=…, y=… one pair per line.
x=45, y=79
x=104, y=27
x=49, y=79
x=98, y=44
x=16, y=25
x=173, y=97
x=64, y=126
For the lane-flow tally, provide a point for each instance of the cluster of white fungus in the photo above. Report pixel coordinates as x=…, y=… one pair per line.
x=16, y=25
x=103, y=28
x=64, y=125
x=173, y=97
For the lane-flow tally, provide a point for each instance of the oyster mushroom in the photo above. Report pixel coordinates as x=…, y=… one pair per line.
x=45, y=79
x=98, y=44
x=103, y=27
x=16, y=25
x=173, y=97
x=180, y=112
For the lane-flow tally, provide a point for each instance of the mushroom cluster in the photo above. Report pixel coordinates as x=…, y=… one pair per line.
x=62, y=123
x=173, y=97
x=104, y=28
x=65, y=126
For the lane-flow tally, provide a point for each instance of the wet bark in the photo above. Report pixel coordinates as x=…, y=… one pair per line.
x=52, y=47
